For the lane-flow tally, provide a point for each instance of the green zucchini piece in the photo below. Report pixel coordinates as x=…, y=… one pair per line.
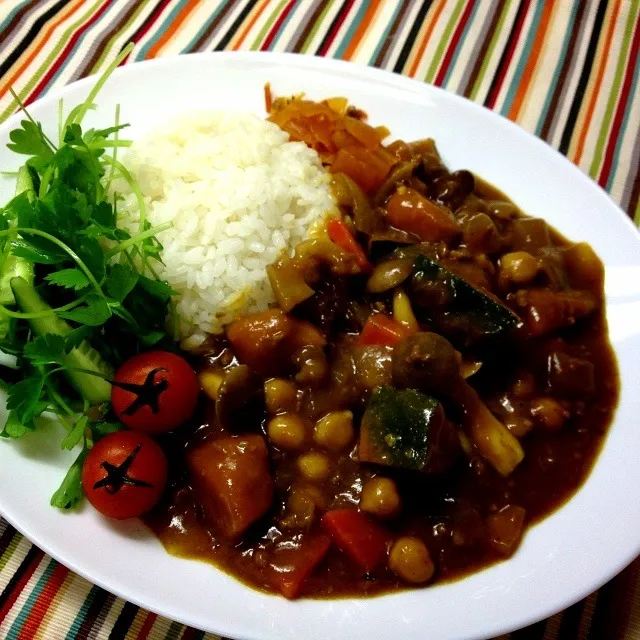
x=407, y=429
x=93, y=389
x=457, y=308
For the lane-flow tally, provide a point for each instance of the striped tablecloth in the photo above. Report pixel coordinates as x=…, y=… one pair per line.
x=567, y=70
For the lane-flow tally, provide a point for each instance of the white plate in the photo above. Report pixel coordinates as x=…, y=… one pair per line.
x=561, y=560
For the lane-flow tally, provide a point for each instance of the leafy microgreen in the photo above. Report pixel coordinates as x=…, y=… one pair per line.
x=121, y=282
x=94, y=312
x=75, y=337
x=103, y=428
x=76, y=434
x=15, y=427
x=69, y=279
x=29, y=140
x=46, y=349
x=69, y=493
x=24, y=398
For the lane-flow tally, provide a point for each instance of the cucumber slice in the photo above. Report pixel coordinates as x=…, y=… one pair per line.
x=92, y=388
x=15, y=267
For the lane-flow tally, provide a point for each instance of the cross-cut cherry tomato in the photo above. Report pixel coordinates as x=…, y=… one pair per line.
x=155, y=392
x=124, y=474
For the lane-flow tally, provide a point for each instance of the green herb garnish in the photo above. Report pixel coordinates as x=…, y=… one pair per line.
x=78, y=294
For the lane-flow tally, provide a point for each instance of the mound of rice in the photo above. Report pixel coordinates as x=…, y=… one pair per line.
x=238, y=194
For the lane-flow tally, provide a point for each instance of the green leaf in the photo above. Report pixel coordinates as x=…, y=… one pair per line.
x=157, y=288
x=75, y=337
x=34, y=253
x=90, y=252
x=45, y=349
x=122, y=280
x=94, y=313
x=15, y=427
x=24, y=398
x=152, y=337
x=104, y=428
x=69, y=279
x=70, y=492
x=29, y=140
x=97, y=136
x=73, y=134
x=18, y=207
x=75, y=435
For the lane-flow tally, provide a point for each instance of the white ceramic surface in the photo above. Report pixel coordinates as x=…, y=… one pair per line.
x=561, y=560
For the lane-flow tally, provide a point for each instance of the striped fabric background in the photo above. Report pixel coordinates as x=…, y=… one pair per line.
x=566, y=70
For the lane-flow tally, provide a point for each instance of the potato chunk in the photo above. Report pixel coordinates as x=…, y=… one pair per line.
x=232, y=481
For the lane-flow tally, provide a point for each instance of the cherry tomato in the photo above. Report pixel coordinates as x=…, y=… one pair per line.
x=124, y=474
x=154, y=392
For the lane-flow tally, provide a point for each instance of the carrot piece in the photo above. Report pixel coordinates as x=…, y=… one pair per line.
x=268, y=97
x=364, y=167
x=340, y=235
x=357, y=536
x=292, y=565
x=411, y=211
x=380, y=329
x=364, y=133
x=257, y=338
x=304, y=334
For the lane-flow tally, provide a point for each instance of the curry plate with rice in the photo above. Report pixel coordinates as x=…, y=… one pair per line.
x=321, y=361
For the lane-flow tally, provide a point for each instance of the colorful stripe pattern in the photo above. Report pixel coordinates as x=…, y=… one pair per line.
x=567, y=70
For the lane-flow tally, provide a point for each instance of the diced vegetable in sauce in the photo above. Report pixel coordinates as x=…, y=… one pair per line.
x=356, y=535
x=232, y=481
x=456, y=307
x=294, y=561
x=407, y=430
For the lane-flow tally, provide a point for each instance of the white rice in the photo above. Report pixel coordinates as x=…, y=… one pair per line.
x=238, y=193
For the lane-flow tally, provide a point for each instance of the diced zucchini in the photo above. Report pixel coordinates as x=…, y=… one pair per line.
x=406, y=429
x=457, y=308
x=94, y=389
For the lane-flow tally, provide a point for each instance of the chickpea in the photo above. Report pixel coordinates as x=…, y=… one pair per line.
x=410, y=560
x=312, y=365
x=335, y=430
x=280, y=395
x=502, y=209
x=549, y=413
x=380, y=497
x=286, y=431
x=301, y=509
x=524, y=386
x=519, y=267
x=314, y=466
x=210, y=381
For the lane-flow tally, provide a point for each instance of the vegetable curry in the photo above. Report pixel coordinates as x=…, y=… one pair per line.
x=434, y=378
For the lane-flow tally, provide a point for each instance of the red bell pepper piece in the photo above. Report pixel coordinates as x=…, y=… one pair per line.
x=356, y=535
x=293, y=564
x=380, y=329
x=340, y=234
